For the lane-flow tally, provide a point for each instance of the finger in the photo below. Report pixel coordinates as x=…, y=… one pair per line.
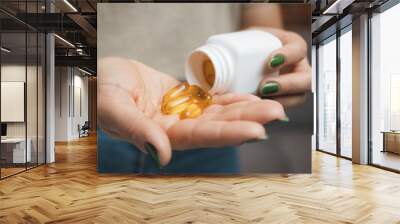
x=293, y=50
x=194, y=133
x=124, y=120
x=293, y=83
x=230, y=98
x=219, y=101
x=302, y=66
x=262, y=111
x=291, y=100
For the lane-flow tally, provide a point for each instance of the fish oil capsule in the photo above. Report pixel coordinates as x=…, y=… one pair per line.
x=176, y=105
x=185, y=100
x=171, y=99
x=176, y=91
x=209, y=73
x=199, y=95
x=192, y=111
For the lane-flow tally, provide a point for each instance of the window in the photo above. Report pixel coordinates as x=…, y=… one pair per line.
x=327, y=96
x=22, y=88
x=385, y=89
x=346, y=75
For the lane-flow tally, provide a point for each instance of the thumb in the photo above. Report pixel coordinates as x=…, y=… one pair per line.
x=126, y=121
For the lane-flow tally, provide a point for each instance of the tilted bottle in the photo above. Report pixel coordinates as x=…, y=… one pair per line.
x=231, y=62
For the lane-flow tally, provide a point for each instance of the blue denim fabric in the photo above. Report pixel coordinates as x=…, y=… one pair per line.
x=115, y=156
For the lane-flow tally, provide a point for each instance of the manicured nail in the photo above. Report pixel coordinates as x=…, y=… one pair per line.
x=285, y=119
x=277, y=60
x=257, y=139
x=153, y=153
x=254, y=140
x=270, y=87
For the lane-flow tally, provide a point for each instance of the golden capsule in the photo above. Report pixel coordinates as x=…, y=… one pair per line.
x=176, y=105
x=188, y=101
x=199, y=94
x=209, y=72
x=176, y=91
x=192, y=111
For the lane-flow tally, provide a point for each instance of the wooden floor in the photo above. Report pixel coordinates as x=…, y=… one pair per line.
x=71, y=191
x=8, y=171
x=5, y=172
x=387, y=159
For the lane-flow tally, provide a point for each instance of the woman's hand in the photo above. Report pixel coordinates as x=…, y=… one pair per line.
x=130, y=95
x=290, y=87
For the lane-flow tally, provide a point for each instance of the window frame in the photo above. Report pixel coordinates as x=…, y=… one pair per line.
x=333, y=37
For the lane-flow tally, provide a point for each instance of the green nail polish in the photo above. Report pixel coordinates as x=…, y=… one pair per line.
x=253, y=140
x=285, y=119
x=277, y=60
x=153, y=153
x=270, y=87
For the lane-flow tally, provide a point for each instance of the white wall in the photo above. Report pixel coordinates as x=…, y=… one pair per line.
x=14, y=73
x=62, y=82
x=17, y=73
x=70, y=83
x=79, y=117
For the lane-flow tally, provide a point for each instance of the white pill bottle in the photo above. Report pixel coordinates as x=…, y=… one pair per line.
x=238, y=61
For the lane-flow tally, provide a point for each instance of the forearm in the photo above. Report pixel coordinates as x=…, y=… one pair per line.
x=261, y=15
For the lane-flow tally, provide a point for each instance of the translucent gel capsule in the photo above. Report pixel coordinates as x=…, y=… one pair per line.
x=192, y=111
x=209, y=73
x=188, y=101
x=176, y=105
x=200, y=97
x=198, y=94
x=176, y=91
x=173, y=98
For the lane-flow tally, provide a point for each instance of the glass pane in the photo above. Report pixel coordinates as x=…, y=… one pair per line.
x=41, y=98
x=314, y=78
x=327, y=97
x=385, y=128
x=31, y=97
x=13, y=86
x=346, y=94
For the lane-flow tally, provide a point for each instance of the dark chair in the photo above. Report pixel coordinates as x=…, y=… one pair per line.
x=84, y=130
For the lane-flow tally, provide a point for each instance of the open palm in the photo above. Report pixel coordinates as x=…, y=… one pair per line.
x=130, y=95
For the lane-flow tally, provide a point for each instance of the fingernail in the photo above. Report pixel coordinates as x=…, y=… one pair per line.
x=254, y=140
x=277, y=60
x=270, y=87
x=153, y=153
x=257, y=139
x=285, y=119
